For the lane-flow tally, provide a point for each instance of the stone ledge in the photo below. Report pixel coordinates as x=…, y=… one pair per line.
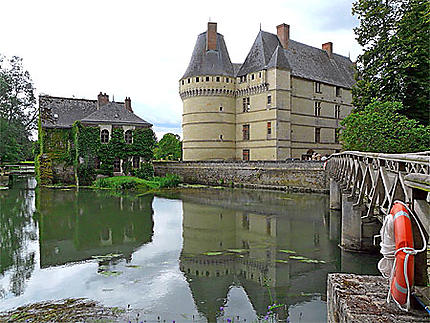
x=359, y=298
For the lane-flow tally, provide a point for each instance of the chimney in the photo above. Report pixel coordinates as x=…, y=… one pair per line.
x=102, y=99
x=283, y=31
x=127, y=104
x=211, y=36
x=328, y=47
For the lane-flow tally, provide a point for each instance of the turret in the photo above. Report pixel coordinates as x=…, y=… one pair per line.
x=207, y=90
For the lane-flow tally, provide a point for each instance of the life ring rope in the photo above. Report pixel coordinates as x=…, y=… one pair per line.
x=408, y=252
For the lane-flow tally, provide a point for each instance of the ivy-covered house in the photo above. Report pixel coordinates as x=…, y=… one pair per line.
x=81, y=138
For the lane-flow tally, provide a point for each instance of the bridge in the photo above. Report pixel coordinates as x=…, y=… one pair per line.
x=364, y=186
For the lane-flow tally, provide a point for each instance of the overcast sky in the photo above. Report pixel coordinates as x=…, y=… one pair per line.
x=141, y=49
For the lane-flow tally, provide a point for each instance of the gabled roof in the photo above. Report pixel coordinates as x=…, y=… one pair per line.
x=114, y=113
x=57, y=112
x=260, y=53
x=209, y=62
x=303, y=60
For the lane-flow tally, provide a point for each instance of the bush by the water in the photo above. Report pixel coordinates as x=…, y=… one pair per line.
x=135, y=183
x=146, y=171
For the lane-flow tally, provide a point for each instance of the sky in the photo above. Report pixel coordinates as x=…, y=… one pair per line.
x=140, y=49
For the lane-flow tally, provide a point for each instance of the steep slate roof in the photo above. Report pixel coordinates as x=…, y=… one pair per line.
x=114, y=113
x=303, y=60
x=210, y=62
x=59, y=112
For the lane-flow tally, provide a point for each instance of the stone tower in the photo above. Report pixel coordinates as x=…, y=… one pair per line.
x=207, y=90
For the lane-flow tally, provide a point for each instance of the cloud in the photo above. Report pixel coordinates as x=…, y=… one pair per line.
x=141, y=49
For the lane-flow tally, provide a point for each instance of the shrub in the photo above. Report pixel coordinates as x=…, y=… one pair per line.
x=146, y=171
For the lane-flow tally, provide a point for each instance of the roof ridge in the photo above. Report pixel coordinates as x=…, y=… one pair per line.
x=60, y=97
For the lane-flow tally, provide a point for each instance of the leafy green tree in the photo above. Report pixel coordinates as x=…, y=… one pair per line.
x=18, y=111
x=379, y=127
x=169, y=147
x=395, y=64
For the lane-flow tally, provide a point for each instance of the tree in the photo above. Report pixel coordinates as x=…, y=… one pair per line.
x=18, y=111
x=379, y=127
x=169, y=147
x=395, y=65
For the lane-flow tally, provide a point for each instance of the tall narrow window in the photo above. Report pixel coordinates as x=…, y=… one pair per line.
x=217, y=78
x=128, y=136
x=245, y=154
x=189, y=80
x=338, y=91
x=269, y=99
x=197, y=79
x=116, y=164
x=183, y=82
x=317, y=87
x=252, y=76
x=317, y=135
x=269, y=129
x=246, y=104
x=136, y=161
x=207, y=78
x=336, y=135
x=317, y=109
x=245, y=131
x=227, y=80
x=104, y=136
x=337, y=111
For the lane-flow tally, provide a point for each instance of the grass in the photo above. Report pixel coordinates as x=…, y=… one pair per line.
x=137, y=184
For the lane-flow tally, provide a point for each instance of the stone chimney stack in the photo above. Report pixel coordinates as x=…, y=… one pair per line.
x=283, y=31
x=328, y=47
x=211, y=36
x=102, y=99
x=127, y=104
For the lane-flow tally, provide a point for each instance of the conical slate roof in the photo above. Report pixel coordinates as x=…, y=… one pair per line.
x=210, y=62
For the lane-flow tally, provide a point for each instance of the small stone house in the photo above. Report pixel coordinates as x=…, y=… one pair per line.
x=109, y=145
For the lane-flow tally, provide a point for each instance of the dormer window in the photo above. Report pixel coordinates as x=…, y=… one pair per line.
x=197, y=79
x=189, y=80
x=183, y=82
x=104, y=136
x=128, y=136
x=207, y=78
x=227, y=80
x=252, y=76
x=338, y=91
x=217, y=78
x=318, y=87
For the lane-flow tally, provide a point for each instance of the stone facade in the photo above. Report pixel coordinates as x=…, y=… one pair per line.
x=284, y=100
x=299, y=176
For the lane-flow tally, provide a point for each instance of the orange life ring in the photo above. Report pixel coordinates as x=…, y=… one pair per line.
x=403, y=276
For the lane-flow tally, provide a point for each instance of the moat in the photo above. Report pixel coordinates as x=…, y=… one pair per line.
x=186, y=253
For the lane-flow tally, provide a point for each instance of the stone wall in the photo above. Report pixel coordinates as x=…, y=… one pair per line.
x=300, y=176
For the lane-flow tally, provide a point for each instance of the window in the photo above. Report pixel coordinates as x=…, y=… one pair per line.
x=207, y=78
x=338, y=91
x=183, y=82
x=197, y=79
x=269, y=128
x=116, y=164
x=128, y=136
x=317, y=87
x=252, y=76
x=269, y=99
x=136, y=161
x=189, y=80
x=220, y=109
x=246, y=104
x=96, y=163
x=317, y=109
x=259, y=75
x=217, y=78
x=220, y=137
x=317, y=135
x=337, y=111
x=227, y=79
x=104, y=136
x=245, y=131
x=336, y=136
x=245, y=154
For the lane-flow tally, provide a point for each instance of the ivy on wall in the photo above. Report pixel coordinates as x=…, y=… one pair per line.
x=81, y=148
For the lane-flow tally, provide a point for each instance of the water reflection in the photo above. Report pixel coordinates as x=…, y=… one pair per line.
x=77, y=226
x=181, y=255
x=255, y=226
x=17, y=231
